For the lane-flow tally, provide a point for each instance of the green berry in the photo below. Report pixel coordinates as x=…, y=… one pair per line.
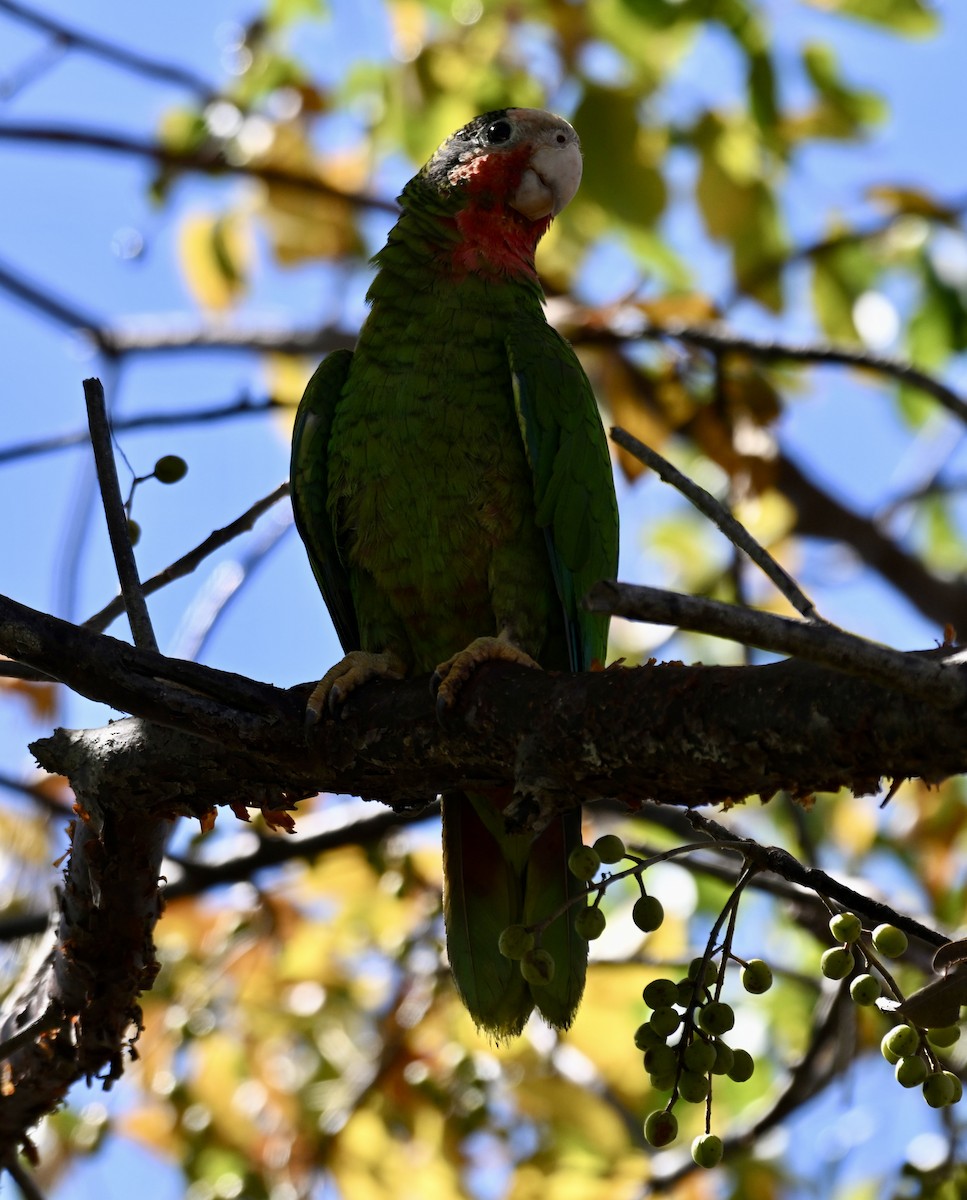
x=663, y=1081
x=865, y=989
x=537, y=966
x=515, y=941
x=957, y=1086
x=911, y=1071
x=939, y=1090
x=699, y=1056
x=686, y=992
x=707, y=1150
x=134, y=532
x=889, y=940
x=943, y=1037
x=660, y=1059
x=901, y=1040
x=724, y=1058
x=170, y=468
x=692, y=1087
x=610, y=848
x=845, y=927
x=661, y=1128
x=645, y=1037
x=836, y=963
x=756, y=976
x=665, y=1020
x=583, y=863
x=648, y=913
x=716, y=1017
x=743, y=1066
x=590, y=923
x=702, y=973
x=891, y=1056
x=660, y=993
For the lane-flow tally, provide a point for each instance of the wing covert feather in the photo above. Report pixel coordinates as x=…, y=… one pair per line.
x=309, y=485
x=573, y=482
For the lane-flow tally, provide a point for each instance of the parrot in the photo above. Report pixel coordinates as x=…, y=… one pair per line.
x=451, y=481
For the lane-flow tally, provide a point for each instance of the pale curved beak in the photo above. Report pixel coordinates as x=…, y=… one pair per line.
x=550, y=181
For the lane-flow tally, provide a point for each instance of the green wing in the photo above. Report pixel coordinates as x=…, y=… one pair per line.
x=574, y=493
x=309, y=485
x=573, y=483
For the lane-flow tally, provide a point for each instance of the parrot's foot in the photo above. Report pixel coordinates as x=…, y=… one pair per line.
x=450, y=676
x=351, y=672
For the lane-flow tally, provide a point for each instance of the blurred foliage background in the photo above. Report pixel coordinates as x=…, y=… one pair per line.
x=788, y=331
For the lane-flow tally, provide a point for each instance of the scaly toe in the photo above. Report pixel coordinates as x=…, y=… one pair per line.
x=351, y=672
x=450, y=677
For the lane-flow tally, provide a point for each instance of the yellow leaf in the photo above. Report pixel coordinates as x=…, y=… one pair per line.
x=152, y=1125
x=214, y=254
x=304, y=223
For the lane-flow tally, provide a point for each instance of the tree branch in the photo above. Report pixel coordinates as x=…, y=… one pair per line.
x=681, y=735
x=244, y=407
x=130, y=60
x=820, y=515
x=936, y=681
x=211, y=160
x=190, y=561
x=629, y=324
x=117, y=521
x=706, y=504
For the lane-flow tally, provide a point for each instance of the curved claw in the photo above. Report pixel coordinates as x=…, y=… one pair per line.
x=450, y=677
x=351, y=672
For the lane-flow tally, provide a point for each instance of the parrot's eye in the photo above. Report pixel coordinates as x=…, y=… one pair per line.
x=498, y=132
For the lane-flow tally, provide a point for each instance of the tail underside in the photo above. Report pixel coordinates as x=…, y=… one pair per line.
x=494, y=879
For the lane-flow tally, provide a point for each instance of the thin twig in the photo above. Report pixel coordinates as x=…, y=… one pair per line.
x=130, y=60
x=630, y=325
x=44, y=301
x=928, y=678
x=780, y=862
x=223, y=587
x=117, y=522
x=210, y=159
x=188, y=562
x=244, y=407
x=24, y=1180
x=706, y=504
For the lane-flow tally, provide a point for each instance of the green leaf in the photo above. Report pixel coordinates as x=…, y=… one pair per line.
x=939, y=326
x=619, y=172
x=840, y=275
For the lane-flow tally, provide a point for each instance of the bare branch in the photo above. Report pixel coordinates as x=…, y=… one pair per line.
x=821, y=515
x=780, y=862
x=706, y=503
x=244, y=407
x=190, y=561
x=681, y=735
x=44, y=301
x=930, y=679
x=131, y=60
x=212, y=160
x=628, y=324
x=117, y=521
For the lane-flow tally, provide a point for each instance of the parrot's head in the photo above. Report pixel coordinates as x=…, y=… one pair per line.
x=505, y=176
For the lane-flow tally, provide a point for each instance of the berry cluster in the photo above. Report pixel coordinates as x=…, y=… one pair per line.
x=691, y=1008
x=911, y=1050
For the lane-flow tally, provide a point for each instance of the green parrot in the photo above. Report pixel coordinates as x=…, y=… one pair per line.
x=452, y=484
